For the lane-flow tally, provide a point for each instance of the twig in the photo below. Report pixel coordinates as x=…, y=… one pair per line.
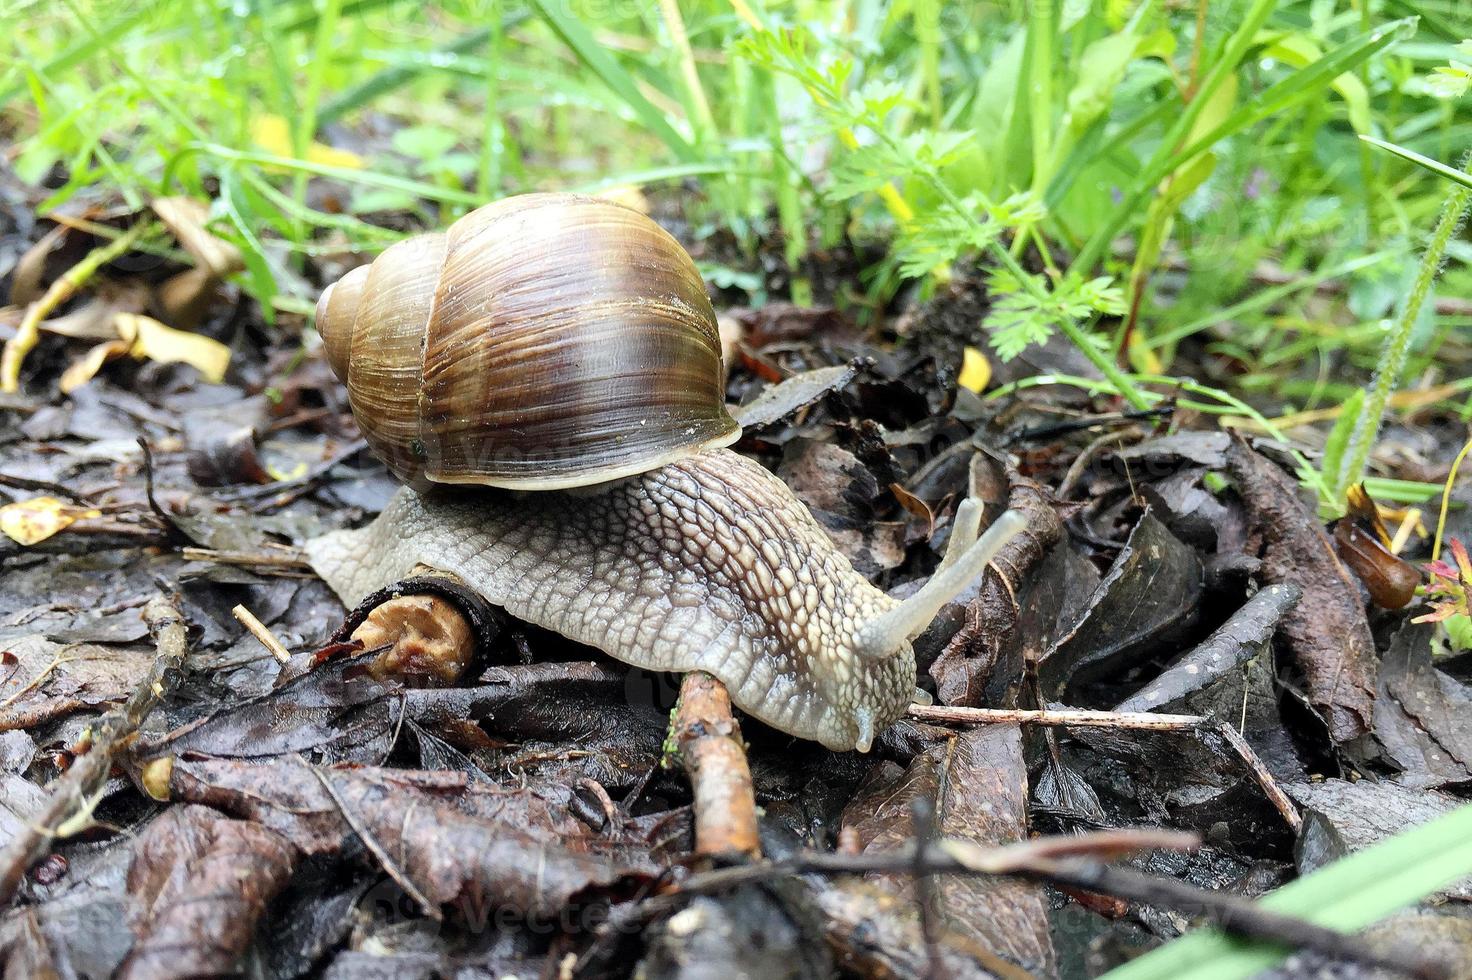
x=1234, y=915
x=259, y=559
x=927, y=894
x=1061, y=717
x=75, y=792
x=29, y=331
x=42, y=486
x=714, y=757
x=1264, y=778
x=1073, y=860
x=375, y=846
x=1137, y=720
x=1233, y=643
x=258, y=629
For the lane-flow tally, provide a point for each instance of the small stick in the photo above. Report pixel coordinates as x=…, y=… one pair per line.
x=74, y=793
x=714, y=757
x=261, y=559
x=1079, y=717
x=1077, y=861
x=29, y=331
x=1264, y=778
x=1137, y=720
x=258, y=629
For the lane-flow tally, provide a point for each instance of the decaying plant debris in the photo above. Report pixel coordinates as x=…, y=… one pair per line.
x=1186, y=699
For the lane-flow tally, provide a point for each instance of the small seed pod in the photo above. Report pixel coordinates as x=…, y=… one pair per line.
x=1390, y=579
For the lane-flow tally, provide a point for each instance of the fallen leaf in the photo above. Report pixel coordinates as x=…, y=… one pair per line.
x=273, y=135
x=31, y=521
x=976, y=371
x=166, y=345
x=85, y=368
x=188, y=220
x=1151, y=594
x=1327, y=632
x=977, y=785
x=145, y=337
x=198, y=883
x=797, y=392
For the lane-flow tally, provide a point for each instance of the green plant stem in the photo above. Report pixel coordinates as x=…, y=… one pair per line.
x=306, y=128
x=1398, y=343
x=1042, y=26
x=488, y=163
x=1100, y=359
x=1446, y=500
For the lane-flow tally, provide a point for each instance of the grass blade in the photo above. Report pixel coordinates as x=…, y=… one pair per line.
x=1435, y=166
x=601, y=63
x=1347, y=895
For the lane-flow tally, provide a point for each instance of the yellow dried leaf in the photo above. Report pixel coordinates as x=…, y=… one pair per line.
x=164, y=344
x=30, y=521
x=976, y=371
x=187, y=219
x=85, y=368
x=271, y=133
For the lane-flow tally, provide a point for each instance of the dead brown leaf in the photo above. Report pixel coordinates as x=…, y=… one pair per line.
x=1326, y=632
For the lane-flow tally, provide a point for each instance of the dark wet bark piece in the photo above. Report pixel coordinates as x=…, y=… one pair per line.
x=749, y=932
x=1150, y=594
x=1364, y=813
x=799, y=391
x=198, y=884
x=1326, y=633
x=1237, y=641
x=977, y=783
x=1423, y=717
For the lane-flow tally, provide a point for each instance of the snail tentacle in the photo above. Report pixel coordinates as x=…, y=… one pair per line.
x=893, y=630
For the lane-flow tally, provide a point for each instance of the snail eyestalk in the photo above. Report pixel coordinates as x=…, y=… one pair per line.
x=881, y=636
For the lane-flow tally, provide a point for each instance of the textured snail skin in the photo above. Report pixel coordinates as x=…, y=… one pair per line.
x=707, y=564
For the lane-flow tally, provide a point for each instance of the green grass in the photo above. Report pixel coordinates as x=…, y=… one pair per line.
x=1123, y=169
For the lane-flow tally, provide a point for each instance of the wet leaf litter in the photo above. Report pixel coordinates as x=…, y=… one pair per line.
x=215, y=806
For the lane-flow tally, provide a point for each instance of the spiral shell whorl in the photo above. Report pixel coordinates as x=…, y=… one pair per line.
x=544, y=341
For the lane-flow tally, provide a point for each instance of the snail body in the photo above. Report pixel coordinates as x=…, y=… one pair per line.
x=654, y=545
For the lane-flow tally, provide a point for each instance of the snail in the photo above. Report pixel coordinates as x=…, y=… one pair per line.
x=560, y=352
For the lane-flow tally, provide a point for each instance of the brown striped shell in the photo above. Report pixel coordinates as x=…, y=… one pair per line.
x=541, y=342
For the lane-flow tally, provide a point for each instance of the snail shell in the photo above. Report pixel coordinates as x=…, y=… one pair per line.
x=542, y=342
